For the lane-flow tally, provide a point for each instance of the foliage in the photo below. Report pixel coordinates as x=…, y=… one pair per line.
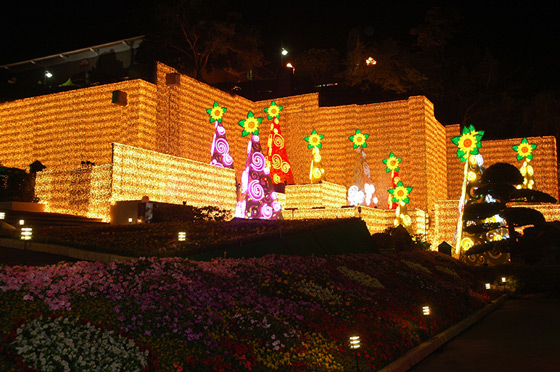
x=196, y=37
x=160, y=239
x=319, y=65
x=497, y=188
x=393, y=72
x=284, y=313
x=16, y=185
x=399, y=239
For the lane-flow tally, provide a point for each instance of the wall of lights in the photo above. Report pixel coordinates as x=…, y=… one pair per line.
x=84, y=191
x=135, y=173
x=447, y=213
x=306, y=196
x=169, y=118
x=170, y=179
x=403, y=127
x=61, y=130
x=544, y=161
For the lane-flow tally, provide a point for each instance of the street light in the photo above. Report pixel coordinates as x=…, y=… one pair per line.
x=504, y=279
x=487, y=285
x=47, y=75
x=370, y=61
x=289, y=65
x=26, y=233
x=2, y=215
x=355, y=344
x=283, y=53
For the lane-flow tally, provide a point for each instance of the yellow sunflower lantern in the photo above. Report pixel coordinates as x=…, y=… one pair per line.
x=468, y=142
x=468, y=145
x=316, y=173
x=400, y=196
x=525, y=152
x=216, y=113
x=359, y=139
x=250, y=125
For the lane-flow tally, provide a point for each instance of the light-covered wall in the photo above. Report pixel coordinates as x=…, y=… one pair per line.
x=84, y=191
x=499, y=151
x=63, y=129
x=170, y=179
x=407, y=128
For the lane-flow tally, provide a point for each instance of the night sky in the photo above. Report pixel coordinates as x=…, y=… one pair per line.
x=527, y=31
x=523, y=34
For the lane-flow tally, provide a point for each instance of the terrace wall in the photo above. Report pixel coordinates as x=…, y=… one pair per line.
x=61, y=130
x=493, y=151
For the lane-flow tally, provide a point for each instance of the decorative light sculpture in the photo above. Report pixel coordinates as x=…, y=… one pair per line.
x=525, y=152
x=399, y=195
x=220, y=146
x=258, y=198
x=362, y=191
x=317, y=173
x=468, y=145
x=392, y=165
x=277, y=158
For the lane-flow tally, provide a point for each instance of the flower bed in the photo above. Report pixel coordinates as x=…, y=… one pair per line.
x=285, y=313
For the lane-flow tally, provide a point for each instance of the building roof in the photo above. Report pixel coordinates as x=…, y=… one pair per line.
x=75, y=55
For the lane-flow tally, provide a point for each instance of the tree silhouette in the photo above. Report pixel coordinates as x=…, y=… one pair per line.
x=195, y=37
x=494, y=221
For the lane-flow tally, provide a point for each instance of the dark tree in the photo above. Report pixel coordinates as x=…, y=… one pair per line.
x=196, y=37
x=319, y=65
x=495, y=221
x=16, y=185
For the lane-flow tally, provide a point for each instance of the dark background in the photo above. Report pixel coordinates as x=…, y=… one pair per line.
x=521, y=35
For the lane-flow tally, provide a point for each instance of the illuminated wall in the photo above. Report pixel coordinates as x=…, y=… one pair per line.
x=305, y=196
x=170, y=179
x=61, y=130
x=134, y=173
x=182, y=121
x=84, y=191
x=447, y=213
x=404, y=127
x=493, y=151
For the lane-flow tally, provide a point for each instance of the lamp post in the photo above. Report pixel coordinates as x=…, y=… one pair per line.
x=182, y=236
x=283, y=53
x=47, y=75
x=426, y=312
x=504, y=279
x=354, y=343
x=26, y=234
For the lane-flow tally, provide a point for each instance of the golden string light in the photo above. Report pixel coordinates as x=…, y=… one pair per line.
x=165, y=128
